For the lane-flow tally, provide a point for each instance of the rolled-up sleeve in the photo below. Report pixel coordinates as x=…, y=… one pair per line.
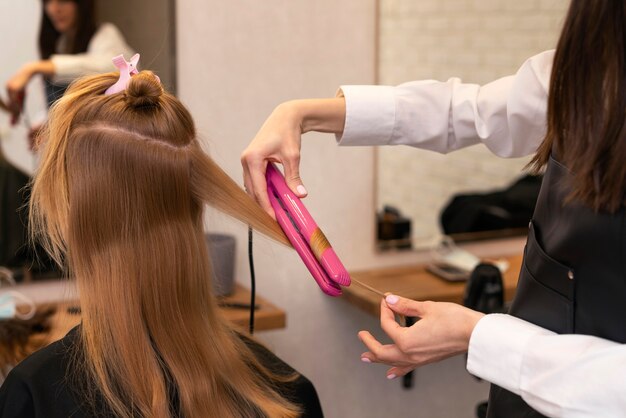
x=558, y=375
x=507, y=115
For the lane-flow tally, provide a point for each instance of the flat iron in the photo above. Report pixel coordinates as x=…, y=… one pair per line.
x=305, y=236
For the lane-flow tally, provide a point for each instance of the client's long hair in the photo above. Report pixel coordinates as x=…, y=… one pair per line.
x=118, y=200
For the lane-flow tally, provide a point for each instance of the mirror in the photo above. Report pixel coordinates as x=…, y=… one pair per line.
x=439, y=39
x=148, y=26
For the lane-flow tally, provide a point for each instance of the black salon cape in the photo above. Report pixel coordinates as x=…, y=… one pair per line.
x=38, y=387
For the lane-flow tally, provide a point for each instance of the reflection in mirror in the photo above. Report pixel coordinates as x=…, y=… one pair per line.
x=28, y=84
x=149, y=27
x=477, y=42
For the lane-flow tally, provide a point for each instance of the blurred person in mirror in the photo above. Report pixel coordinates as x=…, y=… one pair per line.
x=71, y=45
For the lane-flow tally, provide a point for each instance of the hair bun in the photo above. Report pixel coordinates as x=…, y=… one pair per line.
x=144, y=89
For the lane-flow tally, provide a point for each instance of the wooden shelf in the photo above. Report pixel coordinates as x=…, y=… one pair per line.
x=267, y=317
x=415, y=282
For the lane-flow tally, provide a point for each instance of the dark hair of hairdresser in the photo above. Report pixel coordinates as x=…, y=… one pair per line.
x=84, y=30
x=587, y=103
x=119, y=200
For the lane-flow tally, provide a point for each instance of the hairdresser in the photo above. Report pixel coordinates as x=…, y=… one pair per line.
x=70, y=45
x=560, y=351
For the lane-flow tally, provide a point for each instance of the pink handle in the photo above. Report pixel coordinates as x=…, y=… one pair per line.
x=327, y=261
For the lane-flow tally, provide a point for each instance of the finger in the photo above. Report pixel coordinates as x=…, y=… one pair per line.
x=388, y=322
x=399, y=371
x=404, y=306
x=379, y=353
x=247, y=182
x=291, y=163
x=258, y=185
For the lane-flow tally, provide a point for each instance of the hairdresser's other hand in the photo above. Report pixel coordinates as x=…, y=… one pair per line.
x=279, y=140
x=16, y=87
x=443, y=331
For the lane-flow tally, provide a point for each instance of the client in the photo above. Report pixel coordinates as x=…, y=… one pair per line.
x=118, y=202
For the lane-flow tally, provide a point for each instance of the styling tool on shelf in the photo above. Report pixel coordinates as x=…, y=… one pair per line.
x=452, y=263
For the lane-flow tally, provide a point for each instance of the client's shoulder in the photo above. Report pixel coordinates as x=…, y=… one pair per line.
x=37, y=386
x=296, y=387
x=49, y=361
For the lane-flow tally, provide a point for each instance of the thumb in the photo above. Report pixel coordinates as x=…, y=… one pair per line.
x=292, y=175
x=394, y=372
x=404, y=306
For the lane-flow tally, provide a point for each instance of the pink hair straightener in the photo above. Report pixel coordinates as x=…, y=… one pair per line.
x=305, y=236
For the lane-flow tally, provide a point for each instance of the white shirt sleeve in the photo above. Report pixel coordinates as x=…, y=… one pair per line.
x=105, y=44
x=507, y=115
x=558, y=375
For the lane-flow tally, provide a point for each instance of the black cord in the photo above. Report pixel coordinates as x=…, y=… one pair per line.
x=252, y=281
x=407, y=380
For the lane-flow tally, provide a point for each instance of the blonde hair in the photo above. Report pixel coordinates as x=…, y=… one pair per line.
x=118, y=199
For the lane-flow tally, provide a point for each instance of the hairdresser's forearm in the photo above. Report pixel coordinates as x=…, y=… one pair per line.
x=17, y=84
x=321, y=115
x=44, y=67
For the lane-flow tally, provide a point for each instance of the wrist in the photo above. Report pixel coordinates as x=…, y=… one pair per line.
x=30, y=69
x=45, y=67
x=306, y=111
x=320, y=115
x=471, y=321
x=292, y=112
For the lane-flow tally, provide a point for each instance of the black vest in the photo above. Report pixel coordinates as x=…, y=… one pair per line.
x=573, y=278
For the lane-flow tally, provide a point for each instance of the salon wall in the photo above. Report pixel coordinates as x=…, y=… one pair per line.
x=239, y=59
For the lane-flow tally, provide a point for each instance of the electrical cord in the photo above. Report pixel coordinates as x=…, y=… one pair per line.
x=252, y=281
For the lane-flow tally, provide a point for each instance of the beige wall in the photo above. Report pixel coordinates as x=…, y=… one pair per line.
x=239, y=59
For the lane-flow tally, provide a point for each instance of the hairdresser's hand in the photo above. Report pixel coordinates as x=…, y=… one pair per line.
x=443, y=330
x=279, y=140
x=16, y=87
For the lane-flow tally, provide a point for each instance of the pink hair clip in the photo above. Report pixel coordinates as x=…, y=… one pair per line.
x=127, y=69
x=307, y=238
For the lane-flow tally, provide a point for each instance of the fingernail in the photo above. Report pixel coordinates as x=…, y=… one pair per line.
x=365, y=360
x=301, y=190
x=391, y=376
x=392, y=299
